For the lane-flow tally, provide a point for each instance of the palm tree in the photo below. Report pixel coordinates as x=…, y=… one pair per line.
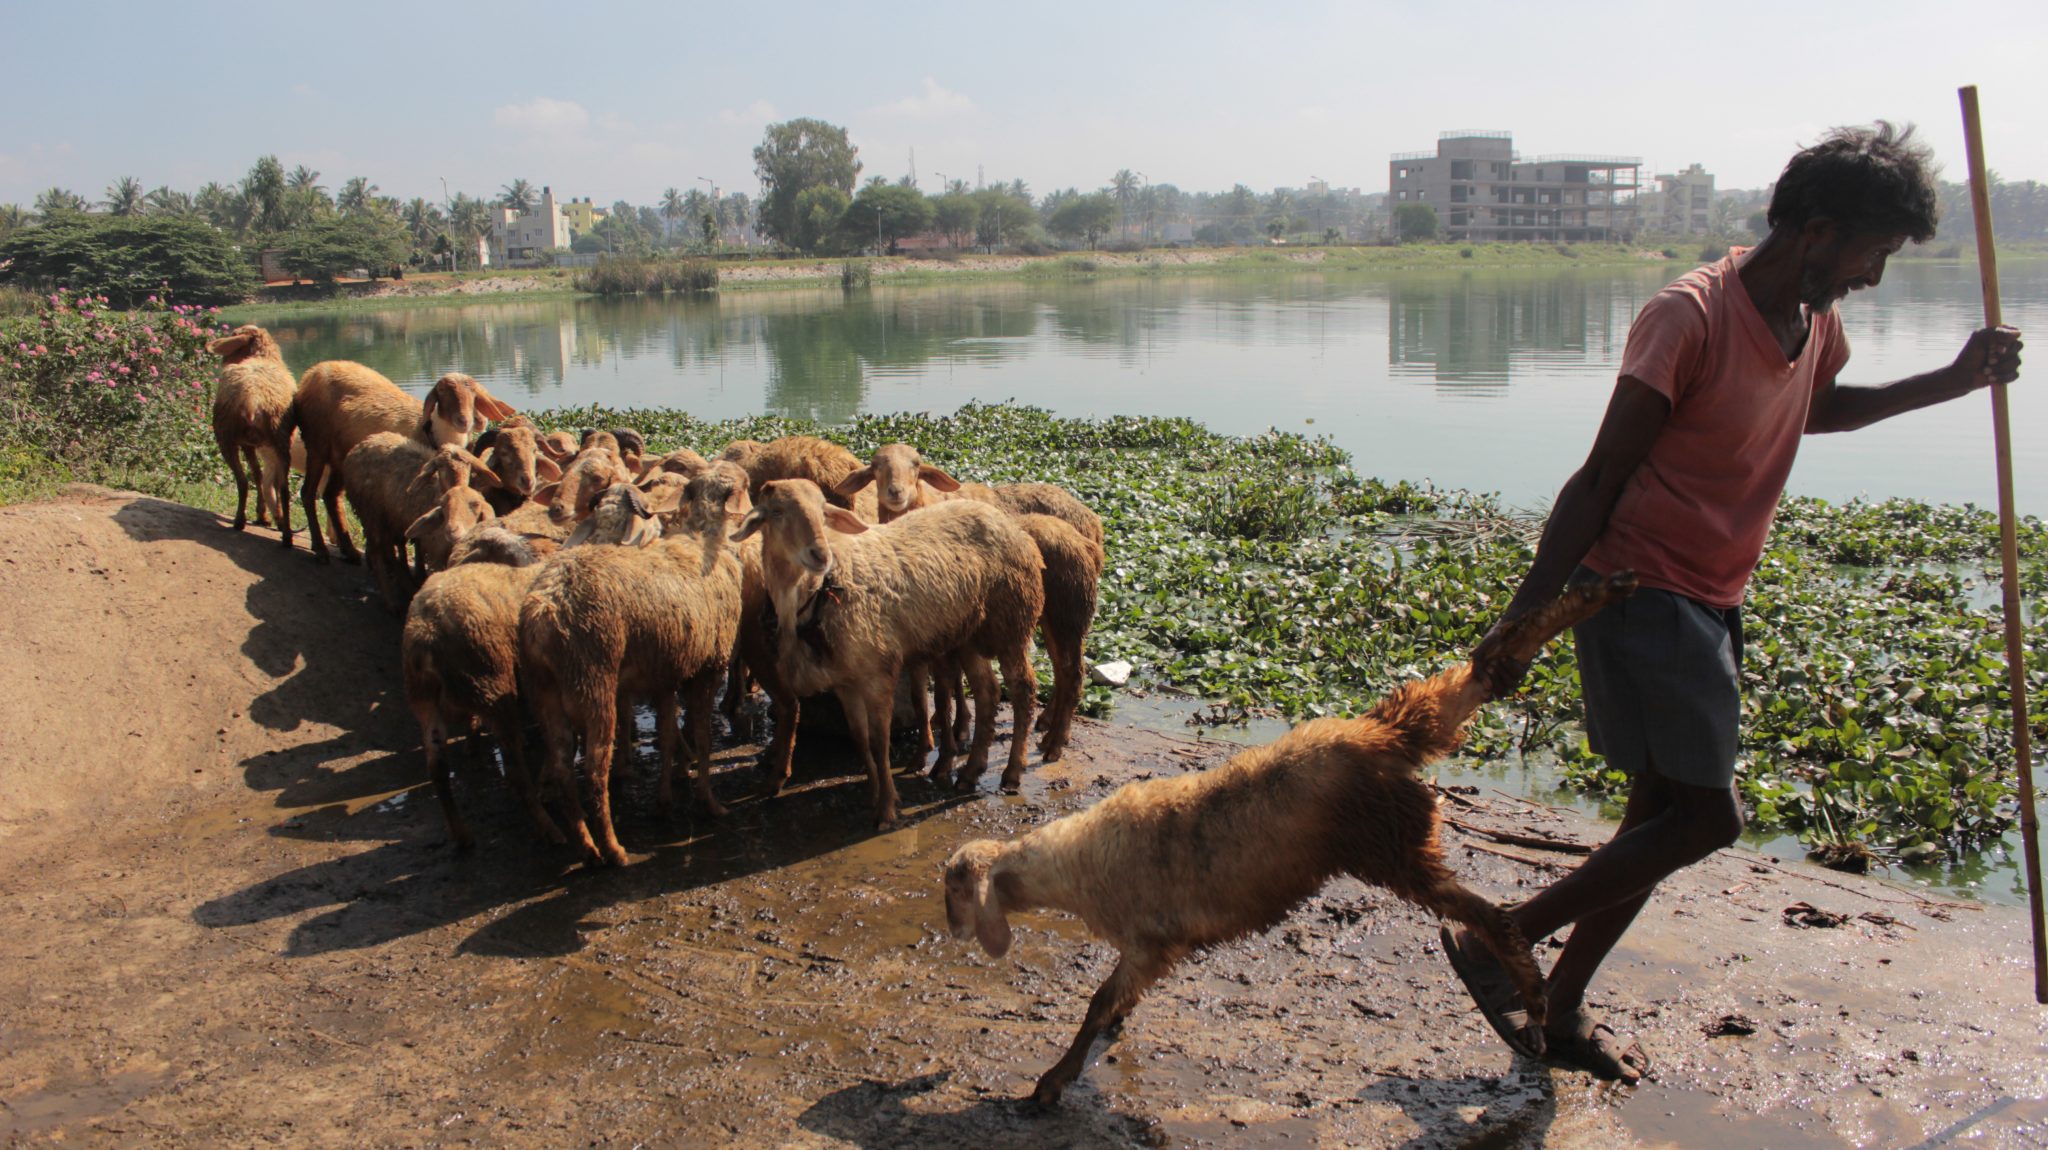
x=124, y=197
x=54, y=202
x=264, y=189
x=356, y=195
x=1021, y=190
x=165, y=202
x=303, y=177
x=470, y=219
x=422, y=220
x=13, y=218
x=518, y=195
x=1125, y=185
x=1148, y=210
x=222, y=206
x=671, y=210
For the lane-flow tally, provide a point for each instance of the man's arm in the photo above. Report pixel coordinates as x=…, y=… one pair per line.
x=1992, y=355
x=1635, y=416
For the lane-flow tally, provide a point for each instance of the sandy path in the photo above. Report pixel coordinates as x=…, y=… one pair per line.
x=228, y=917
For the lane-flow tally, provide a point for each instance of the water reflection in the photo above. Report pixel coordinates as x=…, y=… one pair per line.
x=1474, y=332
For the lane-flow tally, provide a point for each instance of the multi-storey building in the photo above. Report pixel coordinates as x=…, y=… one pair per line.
x=581, y=216
x=1482, y=189
x=520, y=238
x=1682, y=205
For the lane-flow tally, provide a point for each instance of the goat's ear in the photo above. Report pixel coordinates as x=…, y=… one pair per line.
x=547, y=493
x=481, y=476
x=736, y=500
x=491, y=407
x=547, y=468
x=937, y=478
x=852, y=483
x=581, y=535
x=991, y=925
x=843, y=521
x=232, y=348
x=663, y=501
x=427, y=473
x=427, y=524
x=748, y=526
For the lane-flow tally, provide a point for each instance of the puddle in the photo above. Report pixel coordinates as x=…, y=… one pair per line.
x=1663, y=1116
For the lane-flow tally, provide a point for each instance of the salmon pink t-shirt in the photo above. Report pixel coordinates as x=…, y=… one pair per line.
x=1693, y=517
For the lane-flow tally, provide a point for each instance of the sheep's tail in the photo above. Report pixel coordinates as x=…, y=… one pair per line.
x=1423, y=719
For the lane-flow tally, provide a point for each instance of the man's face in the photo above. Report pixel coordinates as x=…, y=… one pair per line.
x=1839, y=262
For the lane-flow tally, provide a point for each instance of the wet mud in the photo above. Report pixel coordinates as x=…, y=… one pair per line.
x=287, y=951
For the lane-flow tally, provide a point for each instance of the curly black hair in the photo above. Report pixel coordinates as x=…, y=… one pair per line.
x=1875, y=179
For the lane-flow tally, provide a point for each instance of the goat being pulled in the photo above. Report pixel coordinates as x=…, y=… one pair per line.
x=1169, y=866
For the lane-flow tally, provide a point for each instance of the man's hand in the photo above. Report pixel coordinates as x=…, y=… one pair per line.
x=1991, y=356
x=1503, y=674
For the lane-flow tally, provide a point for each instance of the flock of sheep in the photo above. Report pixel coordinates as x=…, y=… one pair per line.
x=571, y=580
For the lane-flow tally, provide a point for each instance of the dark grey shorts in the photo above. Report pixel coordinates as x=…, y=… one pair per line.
x=1659, y=675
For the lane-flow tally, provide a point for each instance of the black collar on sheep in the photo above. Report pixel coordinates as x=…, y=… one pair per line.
x=810, y=618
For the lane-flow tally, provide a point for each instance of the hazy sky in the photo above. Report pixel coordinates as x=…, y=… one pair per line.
x=619, y=101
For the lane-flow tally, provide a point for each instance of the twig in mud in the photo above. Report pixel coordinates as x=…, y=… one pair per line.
x=1516, y=856
x=1520, y=840
x=1531, y=802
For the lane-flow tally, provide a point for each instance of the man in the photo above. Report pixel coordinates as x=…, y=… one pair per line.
x=1724, y=370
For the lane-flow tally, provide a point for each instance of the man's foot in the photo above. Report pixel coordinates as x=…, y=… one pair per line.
x=1583, y=1044
x=1493, y=991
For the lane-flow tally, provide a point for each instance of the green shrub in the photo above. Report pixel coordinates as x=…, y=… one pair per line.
x=856, y=274
x=635, y=276
x=127, y=258
x=1464, y=253
x=110, y=395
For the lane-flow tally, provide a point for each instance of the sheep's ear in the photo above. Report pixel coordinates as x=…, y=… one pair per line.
x=663, y=501
x=843, y=521
x=736, y=500
x=426, y=474
x=937, y=478
x=491, y=407
x=646, y=465
x=232, y=348
x=547, y=468
x=481, y=476
x=748, y=526
x=547, y=493
x=427, y=524
x=852, y=483
x=991, y=925
x=581, y=535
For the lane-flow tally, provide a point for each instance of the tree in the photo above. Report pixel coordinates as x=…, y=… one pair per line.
x=13, y=218
x=165, y=202
x=127, y=258
x=263, y=189
x=335, y=246
x=820, y=215
x=469, y=219
x=1084, y=217
x=357, y=195
x=1239, y=208
x=739, y=214
x=304, y=179
x=1124, y=185
x=882, y=214
x=794, y=157
x=124, y=197
x=1002, y=216
x=1415, y=222
x=517, y=195
x=54, y=203
x=672, y=209
x=1759, y=223
x=422, y=221
x=224, y=207
x=957, y=215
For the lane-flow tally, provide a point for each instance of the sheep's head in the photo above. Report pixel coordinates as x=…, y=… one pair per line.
x=244, y=343
x=572, y=498
x=795, y=518
x=559, y=446
x=512, y=452
x=715, y=497
x=451, y=467
x=748, y=453
x=973, y=906
x=493, y=544
x=896, y=470
x=682, y=461
x=624, y=516
x=436, y=532
x=457, y=407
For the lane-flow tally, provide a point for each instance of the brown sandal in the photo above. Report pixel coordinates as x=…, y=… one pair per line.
x=1493, y=991
x=1595, y=1048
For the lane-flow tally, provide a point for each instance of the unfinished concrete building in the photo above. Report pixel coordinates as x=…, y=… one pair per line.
x=1482, y=189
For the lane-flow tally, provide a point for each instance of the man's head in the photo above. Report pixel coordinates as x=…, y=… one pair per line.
x=1853, y=200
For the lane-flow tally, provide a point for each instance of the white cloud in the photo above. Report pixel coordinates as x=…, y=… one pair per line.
x=542, y=116
x=758, y=112
x=936, y=101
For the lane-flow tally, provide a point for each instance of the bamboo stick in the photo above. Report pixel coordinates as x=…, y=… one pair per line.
x=2015, y=643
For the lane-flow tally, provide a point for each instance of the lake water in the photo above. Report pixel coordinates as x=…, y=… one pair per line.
x=1492, y=379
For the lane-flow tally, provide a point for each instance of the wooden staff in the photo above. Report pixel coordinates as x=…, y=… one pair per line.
x=2015, y=644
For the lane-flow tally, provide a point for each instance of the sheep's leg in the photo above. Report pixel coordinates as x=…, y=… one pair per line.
x=783, y=708
x=1114, y=999
x=309, y=502
x=1058, y=720
x=233, y=455
x=561, y=750
x=944, y=700
x=983, y=680
x=961, y=731
x=280, y=488
x=434, y=742
x=504, y=724
x=702, y=690
x=867, y=720
x=599, y=722
x=737, y=688
x=918, y=673
x=331, y=495
x=626, y=739
x=1425, y=881
x=1022, y=684
x=256, y=481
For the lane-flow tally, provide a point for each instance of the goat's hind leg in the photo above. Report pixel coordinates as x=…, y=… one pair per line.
x=1113, y=1000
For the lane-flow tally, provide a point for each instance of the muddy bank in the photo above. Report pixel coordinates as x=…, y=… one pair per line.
x=228, y=916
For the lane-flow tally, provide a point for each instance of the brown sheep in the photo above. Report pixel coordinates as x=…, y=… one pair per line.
x=459, y=654
x=512, y=451
x=855, y=605
x=1166, y=867
x=339, y=404
x=904, y=482
x=403, y=491
x=252, y=422
x=821, y=461
x=606, y=623
x=570, y=499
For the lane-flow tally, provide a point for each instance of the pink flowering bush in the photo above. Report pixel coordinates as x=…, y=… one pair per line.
x=111, y=395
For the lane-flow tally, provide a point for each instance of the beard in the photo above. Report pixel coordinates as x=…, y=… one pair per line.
x=1818, y=292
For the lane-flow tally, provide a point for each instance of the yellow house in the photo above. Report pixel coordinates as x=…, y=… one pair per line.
x=581, y=216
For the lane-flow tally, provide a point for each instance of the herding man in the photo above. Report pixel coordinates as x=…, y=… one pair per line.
x=1724, y=370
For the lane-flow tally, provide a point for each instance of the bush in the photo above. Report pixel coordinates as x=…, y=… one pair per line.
x=635, y=276
x=1464, y=253
x=855, y=274
x=126, y=258
x=109, y=394
x=327, y=249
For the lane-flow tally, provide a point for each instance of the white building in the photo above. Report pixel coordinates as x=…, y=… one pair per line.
x=518, y=239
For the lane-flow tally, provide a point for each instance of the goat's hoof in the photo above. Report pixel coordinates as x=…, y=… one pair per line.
x=1045, y=1098
x=1013, y=781
x=1050, y=753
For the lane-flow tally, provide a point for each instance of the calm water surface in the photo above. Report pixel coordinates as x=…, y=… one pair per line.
x=1491, y=380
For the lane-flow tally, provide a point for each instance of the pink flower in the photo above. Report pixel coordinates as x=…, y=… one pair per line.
x=152, y=299
x=141, y=398
x=123, y=369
